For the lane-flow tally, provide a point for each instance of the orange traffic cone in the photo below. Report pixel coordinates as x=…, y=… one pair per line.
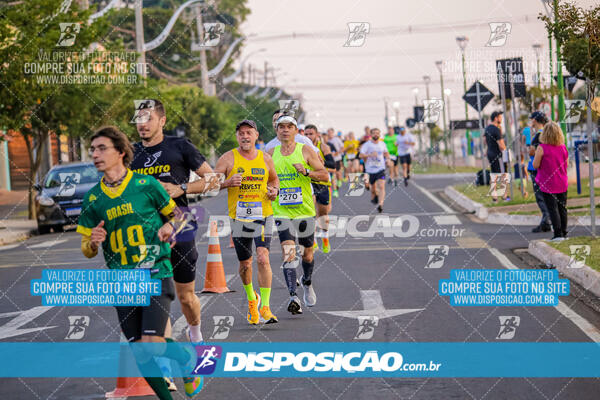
x=214, y=280
x=129, y=386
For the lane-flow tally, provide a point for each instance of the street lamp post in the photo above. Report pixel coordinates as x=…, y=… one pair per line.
x=396, y=106
x=439, y=65
x=537, y=48
x=416, y=93
x=427, y=80
x=462, y=42
x=448, y=92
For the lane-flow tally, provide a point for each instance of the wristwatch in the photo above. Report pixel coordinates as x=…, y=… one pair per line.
x=307, y=172
x=183, y=187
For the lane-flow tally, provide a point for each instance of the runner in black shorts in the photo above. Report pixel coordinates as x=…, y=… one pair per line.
x=376, y=156
x=170, y=160
x=251, y=186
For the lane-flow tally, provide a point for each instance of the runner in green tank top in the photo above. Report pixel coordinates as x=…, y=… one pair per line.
x=294, y=209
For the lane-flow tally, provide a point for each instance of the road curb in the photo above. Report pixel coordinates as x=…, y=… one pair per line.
x=17, y=237
x=14, y=230
x=498, y=218
x=471, y=206
x=438, y=176
x=585, y=276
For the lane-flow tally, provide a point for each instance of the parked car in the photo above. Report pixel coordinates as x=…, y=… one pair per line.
x=61, y=193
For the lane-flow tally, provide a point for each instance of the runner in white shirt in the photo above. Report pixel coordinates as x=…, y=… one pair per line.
x=405, y=143
x=376, y=156
x=298, y=138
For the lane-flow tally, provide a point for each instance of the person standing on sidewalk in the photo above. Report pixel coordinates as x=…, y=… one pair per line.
x=551, y=160
x=495, y=145
x=538, y=120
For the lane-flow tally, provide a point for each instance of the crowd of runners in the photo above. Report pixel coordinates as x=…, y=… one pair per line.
x=136, y=214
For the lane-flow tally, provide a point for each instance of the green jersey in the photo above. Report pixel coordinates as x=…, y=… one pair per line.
x=295, y=190
x=131, y=215
x=390, y=143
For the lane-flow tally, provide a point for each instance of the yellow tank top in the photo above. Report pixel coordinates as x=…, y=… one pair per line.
x=327, y=182
x=249, y=201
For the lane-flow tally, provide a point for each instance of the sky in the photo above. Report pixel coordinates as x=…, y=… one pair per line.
x=344, y=87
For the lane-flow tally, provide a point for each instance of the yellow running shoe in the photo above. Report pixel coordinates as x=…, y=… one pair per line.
x=253, y=315
x=267, y=315
x=326, y=245
x=315, y=246
x=193, y=386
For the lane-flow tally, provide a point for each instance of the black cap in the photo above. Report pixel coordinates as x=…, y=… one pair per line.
x=539, y=117
x=495, y=114
x=247, y=122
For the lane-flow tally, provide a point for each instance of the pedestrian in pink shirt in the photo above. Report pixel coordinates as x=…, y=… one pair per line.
x=551, y=160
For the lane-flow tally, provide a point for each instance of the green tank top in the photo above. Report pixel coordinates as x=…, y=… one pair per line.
x=295, y=192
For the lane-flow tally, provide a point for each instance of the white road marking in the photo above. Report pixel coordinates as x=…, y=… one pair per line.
x=433, y=198
x=48, y=243
x=447, y=220
x=590, y=330
x=13, y=327
x=372, y=307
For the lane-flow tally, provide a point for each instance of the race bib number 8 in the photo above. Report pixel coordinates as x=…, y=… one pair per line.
x=249, y=210
x=290, y=196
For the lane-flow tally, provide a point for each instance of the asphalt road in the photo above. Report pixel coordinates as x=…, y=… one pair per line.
x=360, y=271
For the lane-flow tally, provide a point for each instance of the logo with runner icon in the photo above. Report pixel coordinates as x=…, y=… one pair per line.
x=437, y=255
x=68, y=33
x=68, y=183
x=366, y=327
x=223, y=324
x=357, y=34
x=579, y=253
x=508, y=327
x=77, y=326
x=499, y=184
x=207, y=359
x=356, y=184
x=499, y=32
x=433, y=109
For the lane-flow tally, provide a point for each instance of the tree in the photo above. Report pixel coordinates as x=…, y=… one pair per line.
x=577, y=31
x=30, y=35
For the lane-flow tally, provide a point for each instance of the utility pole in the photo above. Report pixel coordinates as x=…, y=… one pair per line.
x=139, y=38
x=205, y=83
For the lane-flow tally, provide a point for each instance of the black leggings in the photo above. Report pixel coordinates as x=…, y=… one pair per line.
x=557, y=208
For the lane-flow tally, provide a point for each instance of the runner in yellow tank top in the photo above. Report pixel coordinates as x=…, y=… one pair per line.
x=251, y=184
x=322, y=190
x=294, y=210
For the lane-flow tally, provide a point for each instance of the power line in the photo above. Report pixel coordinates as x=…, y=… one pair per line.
x=394, y=30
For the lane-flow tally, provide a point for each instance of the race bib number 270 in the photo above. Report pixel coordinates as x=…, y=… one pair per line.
x=290, y=196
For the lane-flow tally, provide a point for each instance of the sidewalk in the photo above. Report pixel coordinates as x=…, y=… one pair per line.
x=14, y=225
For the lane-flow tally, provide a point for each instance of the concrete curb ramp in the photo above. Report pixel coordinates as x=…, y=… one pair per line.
x=585, y=276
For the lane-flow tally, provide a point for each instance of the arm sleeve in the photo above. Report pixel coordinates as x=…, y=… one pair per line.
x=329, y=162
x=161, y=199
x=193, y=158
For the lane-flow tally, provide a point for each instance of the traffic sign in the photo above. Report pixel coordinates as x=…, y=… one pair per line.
x=485, y=95
x=511, y=70
x=464, y=124
x=418, y=113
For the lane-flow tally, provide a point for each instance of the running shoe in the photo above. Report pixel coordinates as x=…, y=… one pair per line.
x=253, y=315
x=170, y=384
x=389, y=181
x=395, y=182
x=326, y=245
x=405, y=181
x=267, y=315
x=315, y=246
x=294, y=305
x=375, y=200
x=310, y=297
x=193, y=386
x=379, y=209
x=336, y=193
